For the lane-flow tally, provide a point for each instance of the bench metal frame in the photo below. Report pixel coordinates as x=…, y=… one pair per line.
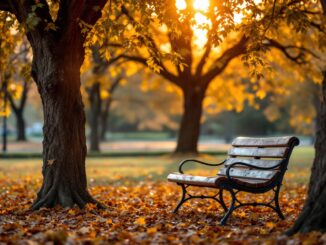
x=234, y=188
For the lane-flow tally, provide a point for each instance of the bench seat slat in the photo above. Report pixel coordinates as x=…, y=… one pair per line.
x=213, y=181
x=255, y=162
x=280, y=152
x=263, y=142
x=193, y=179
x=250, y=173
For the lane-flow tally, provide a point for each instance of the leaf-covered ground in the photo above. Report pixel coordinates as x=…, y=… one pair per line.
x=139, y=212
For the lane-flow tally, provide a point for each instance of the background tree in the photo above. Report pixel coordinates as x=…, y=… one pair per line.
x=19, y=86
x=148, y=102
x=15, y=77
x=100, y=84
x=197, y=42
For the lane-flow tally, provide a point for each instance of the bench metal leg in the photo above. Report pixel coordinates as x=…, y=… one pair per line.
x=277, y=205
x=185, y=198
x=184, y=191
x=230, y=210
x=222, y=200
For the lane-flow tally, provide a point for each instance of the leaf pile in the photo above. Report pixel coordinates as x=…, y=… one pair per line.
x=140, y=213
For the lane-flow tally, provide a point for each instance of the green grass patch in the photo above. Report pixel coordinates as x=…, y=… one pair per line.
x=105, y=170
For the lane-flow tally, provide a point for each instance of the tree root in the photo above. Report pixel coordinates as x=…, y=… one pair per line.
x=65, y=197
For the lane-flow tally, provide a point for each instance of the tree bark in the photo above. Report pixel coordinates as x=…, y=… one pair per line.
x=189, y=130
x=56, y=70
x=313, y=215
x=95, y=112
x=57, y=57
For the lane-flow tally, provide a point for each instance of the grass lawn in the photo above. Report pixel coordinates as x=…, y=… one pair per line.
x=116, y=169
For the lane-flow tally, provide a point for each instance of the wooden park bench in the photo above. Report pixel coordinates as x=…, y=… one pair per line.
x=254, y=165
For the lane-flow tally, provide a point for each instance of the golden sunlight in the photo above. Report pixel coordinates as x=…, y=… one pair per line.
x=181, y=4
x=200, y=34
x=200, y=19
x=201, y=5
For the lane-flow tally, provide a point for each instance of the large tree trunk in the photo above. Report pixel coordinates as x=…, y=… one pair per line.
x=56, y=70
x=189, y=130
x=95, y=112
x=313, y=215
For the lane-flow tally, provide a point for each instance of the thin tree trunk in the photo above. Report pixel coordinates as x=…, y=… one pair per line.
x=105, y=114
x=4, y=128
x=95, y=112
x=313, y=215
x=190, y=123
x=105, y=117
x=19, y=112
x=20, y=126
x=56, y=70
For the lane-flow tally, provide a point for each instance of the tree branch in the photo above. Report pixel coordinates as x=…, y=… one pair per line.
x=22, y=11
x=153, y=49
x=203, y=59
x=319, y=27
x=221, y=63
x=24, y=95
x=323, y=4
x=115, y=84
x=12, y=102
x=164, y=73
x=92, y=10
x=285, y=49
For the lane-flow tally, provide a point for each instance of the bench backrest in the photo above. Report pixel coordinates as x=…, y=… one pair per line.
x=262, y=152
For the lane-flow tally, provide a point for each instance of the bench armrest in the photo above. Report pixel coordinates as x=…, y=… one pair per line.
x=248, y=165
x=198, y=161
